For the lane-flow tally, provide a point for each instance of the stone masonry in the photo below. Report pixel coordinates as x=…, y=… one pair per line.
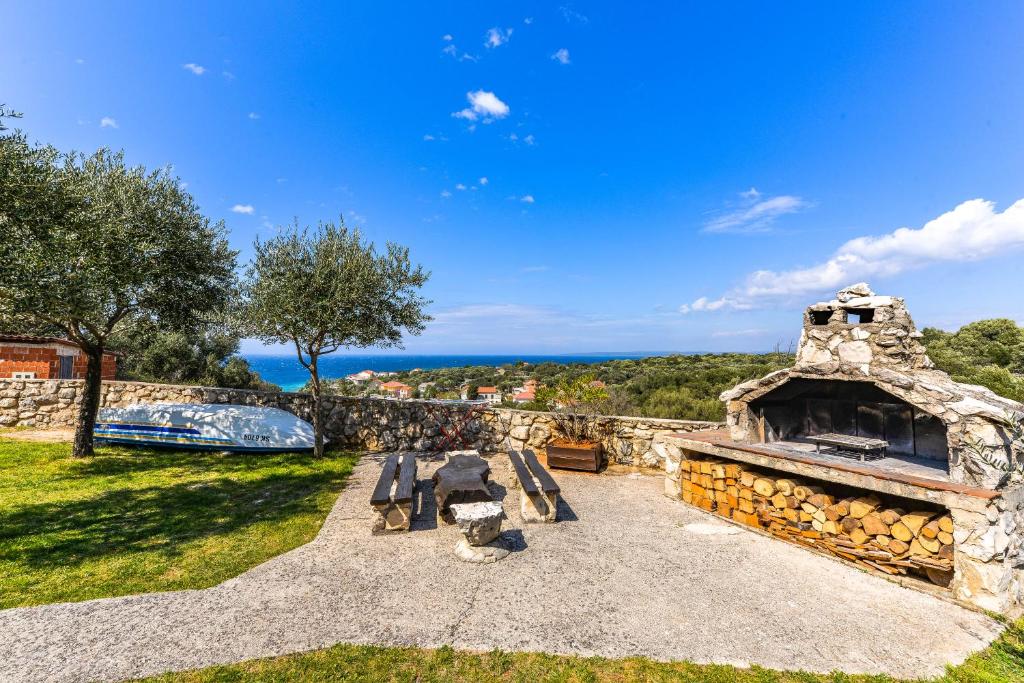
x=373, y=424
x=861, y=337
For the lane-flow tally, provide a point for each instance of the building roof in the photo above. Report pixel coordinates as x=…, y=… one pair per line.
x=394, y=385
x=525, y=396
x=487, y=390
x=32, y=339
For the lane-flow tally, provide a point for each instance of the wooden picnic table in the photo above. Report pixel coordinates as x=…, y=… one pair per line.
x=861, y=445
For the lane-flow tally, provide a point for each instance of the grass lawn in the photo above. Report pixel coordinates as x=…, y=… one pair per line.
x=1003, y=662
x=134, y=521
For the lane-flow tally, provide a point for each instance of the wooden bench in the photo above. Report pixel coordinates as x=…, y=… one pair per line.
x=394, y=511
x=538, y=492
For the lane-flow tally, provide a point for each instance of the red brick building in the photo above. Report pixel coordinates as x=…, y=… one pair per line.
x=25, y=357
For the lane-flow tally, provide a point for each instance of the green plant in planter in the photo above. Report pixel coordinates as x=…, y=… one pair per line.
x=577, y=402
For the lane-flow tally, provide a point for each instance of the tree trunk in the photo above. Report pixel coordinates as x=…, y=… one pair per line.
x=90, y=405
x=318, y=423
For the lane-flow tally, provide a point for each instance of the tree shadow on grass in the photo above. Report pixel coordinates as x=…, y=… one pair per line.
x=157, y=519
x=111, y=461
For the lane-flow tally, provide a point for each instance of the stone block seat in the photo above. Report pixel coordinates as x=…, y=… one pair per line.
x=538, y=492
x=394, y=510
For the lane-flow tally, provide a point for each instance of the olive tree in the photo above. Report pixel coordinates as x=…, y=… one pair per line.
x=320, y=290
x=90, y=248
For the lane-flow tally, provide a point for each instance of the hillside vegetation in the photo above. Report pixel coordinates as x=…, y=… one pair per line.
x=987, y=352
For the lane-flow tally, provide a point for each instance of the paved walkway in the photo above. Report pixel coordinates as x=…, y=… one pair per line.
x=625, y=572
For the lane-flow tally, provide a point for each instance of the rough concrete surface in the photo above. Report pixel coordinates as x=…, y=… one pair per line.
x=625, y=571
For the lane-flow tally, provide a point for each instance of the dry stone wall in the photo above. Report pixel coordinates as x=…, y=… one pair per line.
x=359, y=423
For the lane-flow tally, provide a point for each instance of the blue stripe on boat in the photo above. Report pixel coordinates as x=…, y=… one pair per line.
x=200, y=447
x=147, y=428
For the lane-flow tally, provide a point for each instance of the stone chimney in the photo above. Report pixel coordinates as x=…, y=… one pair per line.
x=861, y=329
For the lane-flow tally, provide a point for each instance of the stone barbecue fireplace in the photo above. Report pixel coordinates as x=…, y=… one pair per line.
x=942, y=491
x=860, y=370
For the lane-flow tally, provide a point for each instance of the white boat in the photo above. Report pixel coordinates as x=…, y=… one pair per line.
x=204, y=426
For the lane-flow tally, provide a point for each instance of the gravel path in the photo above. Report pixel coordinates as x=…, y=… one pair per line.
x=624, y=572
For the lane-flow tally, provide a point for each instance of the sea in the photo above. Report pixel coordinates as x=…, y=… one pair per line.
x=286, y=372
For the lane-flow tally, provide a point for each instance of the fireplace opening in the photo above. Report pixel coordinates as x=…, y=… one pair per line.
x=802, y=408
x=820, y=317
x=856, y=316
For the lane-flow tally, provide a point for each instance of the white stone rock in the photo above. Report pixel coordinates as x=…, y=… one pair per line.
x=481, y=554
x=480, y=522
x=855, y=352
x=859, y=289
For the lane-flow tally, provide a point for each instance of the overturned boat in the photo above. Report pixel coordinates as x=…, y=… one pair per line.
x=204, y=426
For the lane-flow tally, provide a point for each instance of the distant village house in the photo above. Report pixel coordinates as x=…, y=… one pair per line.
x=27, y=357
x=361, y=377
x=396, y=389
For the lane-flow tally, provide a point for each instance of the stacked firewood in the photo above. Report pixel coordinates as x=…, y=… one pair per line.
x=863, y=529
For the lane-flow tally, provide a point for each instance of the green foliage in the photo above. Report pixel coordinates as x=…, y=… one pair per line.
x=325, y=289
x=205, y=357
x=7, y=113
x=987, y=352
x=132, y=520
x=575, y=400
x=1003, y=661
x=92, y=247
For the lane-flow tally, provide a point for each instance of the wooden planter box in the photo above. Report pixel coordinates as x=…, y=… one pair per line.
x=575, y=456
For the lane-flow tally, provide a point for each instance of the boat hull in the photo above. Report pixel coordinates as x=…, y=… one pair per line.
x=204, y=427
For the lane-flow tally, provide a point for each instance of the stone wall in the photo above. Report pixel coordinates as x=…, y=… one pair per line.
x=358, y=423
x=627, y=440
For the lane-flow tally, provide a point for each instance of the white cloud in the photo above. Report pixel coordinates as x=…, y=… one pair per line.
x=483, y=103
x=529, y=140
x=428, y=137
x=527, y=199
x=194, y=68
x=485, y=325
x=450, y=50
x=484, y=180
x=247, y=209
x=79, y=61
x=740, y=333
x=460, y=186
x=572, y=15
x=228, y=76
x=972, y=231
x=445, y=194
x=253, y=115
x=535, y=269
x=757, y=214
x=108, y=122
x=528, y=20
x=561, y=56
x=448, y=37
x=496, y=37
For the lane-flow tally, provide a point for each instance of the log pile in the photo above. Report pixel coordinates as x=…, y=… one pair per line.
x=863, y=529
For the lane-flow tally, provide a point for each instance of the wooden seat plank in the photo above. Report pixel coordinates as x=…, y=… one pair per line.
x=406, y=478
x=523, y=474
x=547, y=482
x=382, y=492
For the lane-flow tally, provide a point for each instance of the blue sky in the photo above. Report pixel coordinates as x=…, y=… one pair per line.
x=643, y=162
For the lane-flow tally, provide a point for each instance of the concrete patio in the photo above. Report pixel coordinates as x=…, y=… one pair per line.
x=626, y=571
